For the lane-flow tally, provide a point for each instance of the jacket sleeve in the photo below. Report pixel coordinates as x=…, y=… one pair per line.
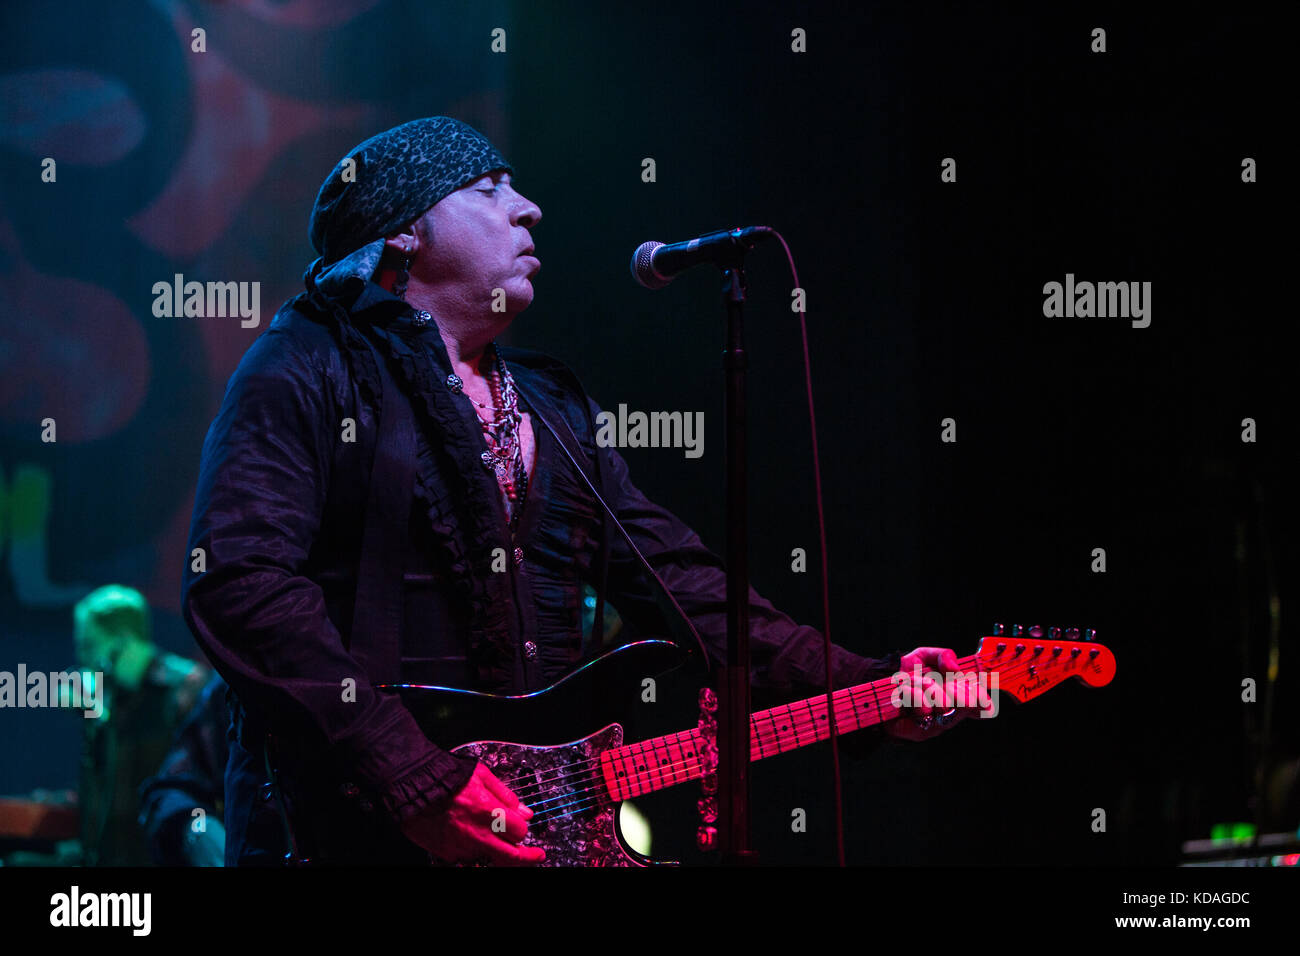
x=786, y=658
x=262, y=484
x=191, y=776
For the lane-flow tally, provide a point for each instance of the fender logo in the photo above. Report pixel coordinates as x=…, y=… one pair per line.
x=1026, y=689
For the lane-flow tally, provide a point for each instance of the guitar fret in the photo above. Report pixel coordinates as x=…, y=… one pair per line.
x=812, y=714
x=861, y=707
x=697, y=767
x=776, y=732
x=857, y=713
x=781, y=721
x=683, y=757
x=756, y=750
x=618, y=789
x=874, y=687
x=629, y=769
x=842, y=723
x=673, y=760
x=850, y=722
x=613, y=783
x=658, y=761
x=794, y=725
x=796, y=718
x=642, y=773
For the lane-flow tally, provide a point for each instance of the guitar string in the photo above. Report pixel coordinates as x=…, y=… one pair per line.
x=691, y=765
x=800, y=724
x=678, y=739
x=579, y=800
x=597, y=795
x=868, y=690
x=844, y=708
x=688, y=766
x=850, y=692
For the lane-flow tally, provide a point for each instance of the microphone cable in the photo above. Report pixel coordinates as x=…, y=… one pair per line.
x=837, y=784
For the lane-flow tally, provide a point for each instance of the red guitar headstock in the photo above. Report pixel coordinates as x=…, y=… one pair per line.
x=1031, y=660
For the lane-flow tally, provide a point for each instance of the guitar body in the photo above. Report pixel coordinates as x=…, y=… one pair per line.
x=585, y=831
x=540, y=744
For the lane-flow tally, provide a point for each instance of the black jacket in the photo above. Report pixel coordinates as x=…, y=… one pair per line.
x=279, y=517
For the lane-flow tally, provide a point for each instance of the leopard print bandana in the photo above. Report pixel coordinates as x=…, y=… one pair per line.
x=392, y=179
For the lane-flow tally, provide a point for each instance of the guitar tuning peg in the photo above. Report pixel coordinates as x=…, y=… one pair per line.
x=1035, y=630
x=1072, y=634
x=998, y=630
x=1054, y=633
x=1089, y=634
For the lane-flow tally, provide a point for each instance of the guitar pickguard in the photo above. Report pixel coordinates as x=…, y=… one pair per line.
x=561, y=784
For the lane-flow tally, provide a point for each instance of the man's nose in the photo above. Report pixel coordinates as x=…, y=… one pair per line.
x=526, y=212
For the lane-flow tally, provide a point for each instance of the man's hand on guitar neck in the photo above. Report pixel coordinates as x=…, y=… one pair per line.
x=464, y=832
x=962, y=695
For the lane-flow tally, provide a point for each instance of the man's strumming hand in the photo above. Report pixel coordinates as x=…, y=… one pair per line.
x=486, y=823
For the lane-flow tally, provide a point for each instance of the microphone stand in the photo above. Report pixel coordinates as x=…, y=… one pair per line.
x=734, y=708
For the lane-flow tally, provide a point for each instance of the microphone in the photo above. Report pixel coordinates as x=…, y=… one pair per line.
x=654, y=264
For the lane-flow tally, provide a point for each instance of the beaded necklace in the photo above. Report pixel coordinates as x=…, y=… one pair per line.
x=505, y=454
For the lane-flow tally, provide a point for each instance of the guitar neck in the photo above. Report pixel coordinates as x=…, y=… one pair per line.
x=1024, y=666
x=666, y=761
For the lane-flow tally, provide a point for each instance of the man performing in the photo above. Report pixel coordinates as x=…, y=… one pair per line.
x=380, y=394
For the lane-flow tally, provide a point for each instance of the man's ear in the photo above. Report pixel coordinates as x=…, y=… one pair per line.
x=405, y=243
